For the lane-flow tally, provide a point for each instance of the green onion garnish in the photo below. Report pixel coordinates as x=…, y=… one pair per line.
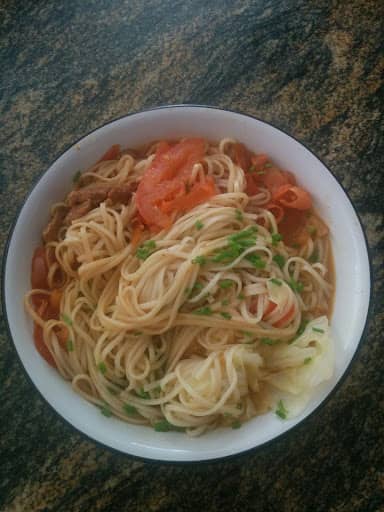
x=276, y=237
x=312, y=230
x=314, y=257
x=279, y=260
x=225, y=302
x=200, y=260
x=261, y=172
x=199, y=225
x=236, y=424
x=296, y=285
x=162, y=426
x=69, y=344
x=146, y=249
x=276, y=281
x=105, y=409
x=307, y=360
x=281, y=411
x=316, y=329
x=66, y=319
x=165, y=426
x=252, y=168
x=239, y=215
x=268, y=341
x=102, y=368
x=267, y=165
x=129, y=409
x=143, y=394
x=225, y=283
x=302, y=327
x=256, y=260
x=206, y=310
x=241, y=296
x=226, y=315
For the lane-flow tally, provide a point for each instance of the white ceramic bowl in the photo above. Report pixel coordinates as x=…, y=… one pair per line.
x=349, y=249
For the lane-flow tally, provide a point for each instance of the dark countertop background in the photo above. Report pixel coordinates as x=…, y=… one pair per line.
x=315, y=69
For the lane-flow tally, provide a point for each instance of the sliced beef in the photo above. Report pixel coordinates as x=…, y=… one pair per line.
x=51, y=232
x=78, y=210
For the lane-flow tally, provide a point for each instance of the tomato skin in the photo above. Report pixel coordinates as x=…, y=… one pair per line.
x=164, y=183
x=242, y=156
x=285, y=319
x=292, y=226
x=113, y=153
x=39, y=271
x=271, y=306
x=41, y=347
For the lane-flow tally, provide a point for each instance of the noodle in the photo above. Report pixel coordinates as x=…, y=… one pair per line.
x=182, y=338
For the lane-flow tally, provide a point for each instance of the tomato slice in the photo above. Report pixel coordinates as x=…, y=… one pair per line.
x=199, y=193
x=242, y=156
x=292, y=226
x=285, y=319
x=39, y=272
x=165, y=182
x=271, y=306
x=113, y=153
x=41, y=347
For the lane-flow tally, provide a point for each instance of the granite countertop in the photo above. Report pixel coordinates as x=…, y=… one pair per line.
x=313, y=68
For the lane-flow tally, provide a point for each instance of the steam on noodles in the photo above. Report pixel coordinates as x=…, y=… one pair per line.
x=185, y=285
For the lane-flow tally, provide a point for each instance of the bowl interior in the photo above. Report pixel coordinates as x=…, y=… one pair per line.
x=349, y=248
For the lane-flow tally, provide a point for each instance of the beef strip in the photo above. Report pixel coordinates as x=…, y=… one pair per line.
x=51, y=232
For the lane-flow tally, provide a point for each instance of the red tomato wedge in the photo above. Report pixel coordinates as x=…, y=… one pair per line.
x=276, y=210
x=41, y=347
x=285, y=319
x=291, y=196
x=271, y=306
x=39, y=272
x=163, y=188
x=292, y=226
x=242, y=157
x=113, y=153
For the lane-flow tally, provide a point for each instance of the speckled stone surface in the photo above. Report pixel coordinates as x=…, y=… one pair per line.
x=315, y=69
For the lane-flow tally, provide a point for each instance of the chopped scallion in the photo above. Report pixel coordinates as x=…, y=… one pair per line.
x=239, y=215
x=206, y=310
x=105, y=410
x=276, y=237
x=199, y=225
x=225, y=283
x=279, y=260
x=281, y=411
x=316, y=329
x=268, y=341
x=129, y=409
x=296, y=286
x=226, y=315
x=66, y=319
x=69, y=344
x=200, y=260
x=143, y=394
x=102, y=367
x=276, y=281
x=146, y=249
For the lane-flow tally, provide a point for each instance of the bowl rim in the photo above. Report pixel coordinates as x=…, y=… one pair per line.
x=236, y=455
